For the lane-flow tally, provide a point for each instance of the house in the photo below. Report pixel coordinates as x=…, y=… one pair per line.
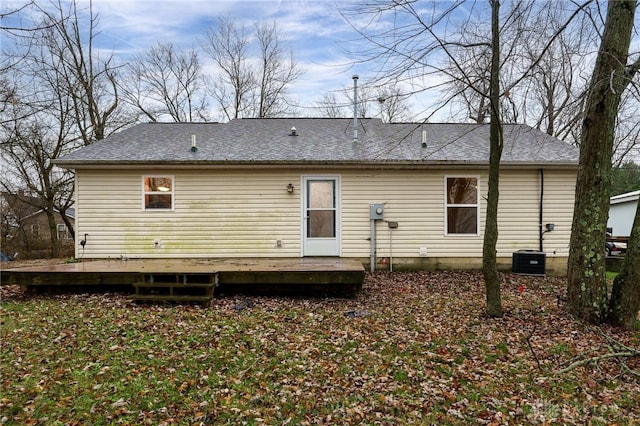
x=411, y=195
x=622, y=211
x=25, y=228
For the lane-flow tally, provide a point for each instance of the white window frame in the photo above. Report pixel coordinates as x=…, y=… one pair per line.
x=62, y=233
x=447, y=205
x=170, y=192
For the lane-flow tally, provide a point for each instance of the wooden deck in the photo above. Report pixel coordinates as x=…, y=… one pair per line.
x=256, y=274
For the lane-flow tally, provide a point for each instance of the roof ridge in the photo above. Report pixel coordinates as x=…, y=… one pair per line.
x=302, y=118
x=173, y=123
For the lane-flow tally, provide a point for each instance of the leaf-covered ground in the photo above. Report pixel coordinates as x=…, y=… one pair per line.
x=411, y=348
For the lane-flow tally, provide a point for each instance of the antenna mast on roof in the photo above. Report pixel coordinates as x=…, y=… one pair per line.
x=355, y=107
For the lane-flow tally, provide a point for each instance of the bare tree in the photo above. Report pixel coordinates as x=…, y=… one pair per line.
x=394, y=104
x=63, y=96
x=412, y=50
x=545, y=91
x=9, y=31
x=165, y=81
x=388, y=103
x=408, y=54
x=365, y=103
x=276, y=71
x=14, y=10
x=11, y=59
x=554, y=91
x=330, y=107
x=250, y=84
x=496, y=143
x=627, y=138
x=228, y=46
x=587, y=291
x=29, y=145
x=7, y=94
x=471, y=89
x=90, y=81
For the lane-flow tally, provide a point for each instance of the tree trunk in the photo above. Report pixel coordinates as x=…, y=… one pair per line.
x=586, y=286
x=625, y=295
x=489, y=263
x=68, y=223
x=54, y=248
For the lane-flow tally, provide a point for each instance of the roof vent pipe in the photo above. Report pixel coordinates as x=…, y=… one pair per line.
x=194, y=148
x=424, y=138
x=355, y=107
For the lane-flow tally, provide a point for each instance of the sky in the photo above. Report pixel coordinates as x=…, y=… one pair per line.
x=316, y=33
x=321, y=39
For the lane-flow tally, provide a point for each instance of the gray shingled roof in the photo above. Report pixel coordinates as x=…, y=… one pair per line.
x=319, y=141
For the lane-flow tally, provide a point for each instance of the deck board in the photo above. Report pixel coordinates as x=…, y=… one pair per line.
x=197, y=266
x=336, y=272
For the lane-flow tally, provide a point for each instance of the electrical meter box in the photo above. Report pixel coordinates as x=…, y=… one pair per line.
x=376, y=211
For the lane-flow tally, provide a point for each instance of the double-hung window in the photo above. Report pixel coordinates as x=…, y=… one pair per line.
x=461, y=205
x=157, y=192
x=63, y=231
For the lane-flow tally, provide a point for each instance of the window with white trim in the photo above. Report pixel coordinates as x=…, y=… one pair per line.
x=157, y=192
x=63, y=231
x=461, y=205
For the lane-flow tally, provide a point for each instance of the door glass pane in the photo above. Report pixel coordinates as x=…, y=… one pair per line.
x=321, y=194
x=321, y=224
x=321, y=209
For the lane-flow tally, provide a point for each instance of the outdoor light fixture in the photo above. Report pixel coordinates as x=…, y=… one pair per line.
x=550, y=227
x=290, y=188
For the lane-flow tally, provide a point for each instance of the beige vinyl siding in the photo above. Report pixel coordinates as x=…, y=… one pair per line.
x=412, y=198
x=416, y=201
x=559, y=196
x=519, y=214
x=215, y=214
x=245, y=213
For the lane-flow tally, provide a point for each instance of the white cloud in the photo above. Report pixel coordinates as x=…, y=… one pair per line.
x=322, y=41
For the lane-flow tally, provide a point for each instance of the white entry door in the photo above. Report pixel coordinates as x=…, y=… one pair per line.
x=321, y=216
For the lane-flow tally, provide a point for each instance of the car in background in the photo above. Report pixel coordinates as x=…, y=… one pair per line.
x=615, y=249
x=5, y=257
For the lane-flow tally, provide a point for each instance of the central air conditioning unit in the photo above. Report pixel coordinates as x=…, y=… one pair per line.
x=528, y=262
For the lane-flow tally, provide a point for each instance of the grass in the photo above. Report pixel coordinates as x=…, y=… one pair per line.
x=611, y=275
x=420, y=351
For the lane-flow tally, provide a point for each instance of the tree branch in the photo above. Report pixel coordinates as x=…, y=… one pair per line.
x=595, y=359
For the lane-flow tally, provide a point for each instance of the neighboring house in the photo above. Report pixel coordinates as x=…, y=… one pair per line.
x=305, y=187
x=25, y=228
x=622, y=211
